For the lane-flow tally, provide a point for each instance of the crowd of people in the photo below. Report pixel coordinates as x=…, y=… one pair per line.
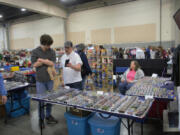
x=150, y=52
x=75, y=67
x=20, y=58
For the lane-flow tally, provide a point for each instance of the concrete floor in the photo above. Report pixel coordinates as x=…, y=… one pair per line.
x=28, y=125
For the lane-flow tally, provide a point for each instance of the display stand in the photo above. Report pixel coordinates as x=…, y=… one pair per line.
x=102, y=67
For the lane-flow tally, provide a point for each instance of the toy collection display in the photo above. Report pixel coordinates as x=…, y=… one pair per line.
x=9, y=85
x=151, y=87
x=102, y=67
x=106, y=102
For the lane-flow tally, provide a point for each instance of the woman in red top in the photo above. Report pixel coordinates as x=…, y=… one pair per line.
x=131, y=75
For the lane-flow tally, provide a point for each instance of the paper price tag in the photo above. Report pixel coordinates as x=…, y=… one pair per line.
x=100, y=92
x=149, y=97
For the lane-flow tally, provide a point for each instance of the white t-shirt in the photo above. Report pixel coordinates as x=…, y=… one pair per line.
x=70, y=75
x=140, y=54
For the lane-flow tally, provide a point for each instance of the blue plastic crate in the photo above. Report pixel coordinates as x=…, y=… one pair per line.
x=21, y=95
x=77, y=125
x=25, y=102
x=102, y=126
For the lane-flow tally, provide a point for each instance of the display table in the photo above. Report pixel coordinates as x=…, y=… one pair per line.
x=134, y=109
x=154, y=88
x=15, y=88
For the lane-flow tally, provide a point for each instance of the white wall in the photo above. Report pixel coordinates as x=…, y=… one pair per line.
x=177, y=30
x=31, y=31
x=129, y=14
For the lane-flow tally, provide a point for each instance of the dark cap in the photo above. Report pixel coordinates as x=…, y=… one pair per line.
x=68, y=44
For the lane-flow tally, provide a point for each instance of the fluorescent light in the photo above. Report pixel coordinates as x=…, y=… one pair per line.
x=23, y=9
x=1, y=16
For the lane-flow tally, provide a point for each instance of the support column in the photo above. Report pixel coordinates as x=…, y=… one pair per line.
x=6, y=39
x=65, y=30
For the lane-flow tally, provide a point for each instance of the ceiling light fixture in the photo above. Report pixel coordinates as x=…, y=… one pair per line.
x=1, y=16
x=23, y=9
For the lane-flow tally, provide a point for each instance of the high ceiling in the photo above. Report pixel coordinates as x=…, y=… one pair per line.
x=68, y=3
x=11, y=13
x=78, y=5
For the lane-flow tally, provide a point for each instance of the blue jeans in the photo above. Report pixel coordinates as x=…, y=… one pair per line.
x=76, y=85
x=124, y=86
x=43, y=87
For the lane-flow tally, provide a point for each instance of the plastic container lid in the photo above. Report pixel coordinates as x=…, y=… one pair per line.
x=70, y=116
x=97, y=120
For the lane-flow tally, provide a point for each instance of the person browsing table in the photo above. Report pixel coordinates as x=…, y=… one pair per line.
x=42, y=58
x=71, y=67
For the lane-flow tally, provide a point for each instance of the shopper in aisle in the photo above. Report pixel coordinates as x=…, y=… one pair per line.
x=71, y=67
x=131, y=75
x=85, y=69
x=43, y=57
x=3, y=91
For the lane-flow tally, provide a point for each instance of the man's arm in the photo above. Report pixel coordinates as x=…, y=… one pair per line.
x=49, y=62
x=75, y=67
x=3, y=91
x=46, y=62
x=34, y=60
x=37, y=64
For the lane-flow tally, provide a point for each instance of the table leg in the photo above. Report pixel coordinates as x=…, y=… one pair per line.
x=142, y=128
x=128, y=126
x=41, y=120
x=132, y=128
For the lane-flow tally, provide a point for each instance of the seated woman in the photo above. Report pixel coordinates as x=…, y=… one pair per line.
x=131, y=75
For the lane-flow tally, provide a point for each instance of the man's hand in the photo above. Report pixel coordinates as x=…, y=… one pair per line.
x=69, y=65
x=63, y=84
x=41, y=60
x=4, y=99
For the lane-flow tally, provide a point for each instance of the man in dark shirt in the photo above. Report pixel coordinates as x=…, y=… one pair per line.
x=43, y=57
x=85, y=69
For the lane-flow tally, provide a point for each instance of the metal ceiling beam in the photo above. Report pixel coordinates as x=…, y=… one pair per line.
x=96, y=4
x=39, y=6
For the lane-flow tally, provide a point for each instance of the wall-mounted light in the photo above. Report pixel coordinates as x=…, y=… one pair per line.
x=23, y=9
x=1, y=16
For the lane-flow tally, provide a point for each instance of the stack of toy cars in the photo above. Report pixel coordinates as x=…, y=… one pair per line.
x=105, y=102
x=149, y=86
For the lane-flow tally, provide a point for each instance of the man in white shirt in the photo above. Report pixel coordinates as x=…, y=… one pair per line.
x=71, y=64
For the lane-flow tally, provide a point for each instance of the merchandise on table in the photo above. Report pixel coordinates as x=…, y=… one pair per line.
x=13, y=85
x=150, y=87
x=91, y=100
